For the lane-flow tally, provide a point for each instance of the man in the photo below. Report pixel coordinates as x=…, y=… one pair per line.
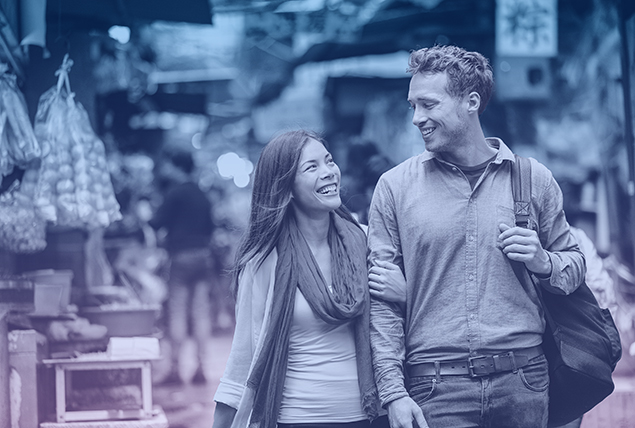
x=465, y=350
x=186, y=215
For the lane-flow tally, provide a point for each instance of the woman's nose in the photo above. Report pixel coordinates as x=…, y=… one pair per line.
x=326, y=172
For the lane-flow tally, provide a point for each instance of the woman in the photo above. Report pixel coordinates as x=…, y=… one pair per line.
x=301, y=352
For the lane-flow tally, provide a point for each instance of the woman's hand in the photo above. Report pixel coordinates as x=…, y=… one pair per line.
x=387, y=282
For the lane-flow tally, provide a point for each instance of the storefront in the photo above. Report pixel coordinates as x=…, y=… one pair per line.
x=94, y=95
x=62, y=303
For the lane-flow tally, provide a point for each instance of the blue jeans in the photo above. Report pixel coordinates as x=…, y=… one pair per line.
x=501, y=400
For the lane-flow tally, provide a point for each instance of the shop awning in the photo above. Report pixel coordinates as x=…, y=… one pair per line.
x=406, y=26
x=106, y=13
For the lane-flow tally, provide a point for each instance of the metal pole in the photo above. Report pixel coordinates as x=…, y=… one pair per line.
x=628, y=119
x=5, y=392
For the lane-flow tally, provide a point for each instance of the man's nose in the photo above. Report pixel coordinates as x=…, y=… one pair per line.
x=419, y=117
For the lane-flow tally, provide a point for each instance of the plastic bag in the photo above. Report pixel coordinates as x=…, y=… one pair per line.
x=74, y=176
x=22, y=230
x=18, y=144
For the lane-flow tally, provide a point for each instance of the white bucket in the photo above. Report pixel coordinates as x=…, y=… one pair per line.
x=52, y=290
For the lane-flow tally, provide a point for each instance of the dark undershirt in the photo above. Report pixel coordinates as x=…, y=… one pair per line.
x=473, y=173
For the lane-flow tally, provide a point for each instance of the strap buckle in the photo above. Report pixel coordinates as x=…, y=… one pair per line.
x=480, y=366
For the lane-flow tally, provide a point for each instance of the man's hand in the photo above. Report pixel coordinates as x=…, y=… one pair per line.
x=387, y=282
x=402, y=411
x=522, y=245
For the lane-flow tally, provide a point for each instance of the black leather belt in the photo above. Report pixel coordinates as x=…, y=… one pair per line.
x=478, y=366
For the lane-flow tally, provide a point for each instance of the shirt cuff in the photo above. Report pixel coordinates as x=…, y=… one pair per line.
x=559, y=282
x=229, y=393
x=385, y=401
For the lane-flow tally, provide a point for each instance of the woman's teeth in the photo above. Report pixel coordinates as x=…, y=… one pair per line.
x=327, y=189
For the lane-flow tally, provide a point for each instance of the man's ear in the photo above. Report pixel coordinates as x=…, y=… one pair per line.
x=474, y=102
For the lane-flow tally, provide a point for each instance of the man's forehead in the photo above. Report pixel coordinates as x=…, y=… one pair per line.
x=427, y=85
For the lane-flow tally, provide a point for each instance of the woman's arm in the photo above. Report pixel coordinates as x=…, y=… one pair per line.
x=252, y=306
x=223, y=416
x=387, y=282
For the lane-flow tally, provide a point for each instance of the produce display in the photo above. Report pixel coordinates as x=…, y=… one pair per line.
x=18, y=145
x=22, y=230
x=66, y=179
x=74, y=187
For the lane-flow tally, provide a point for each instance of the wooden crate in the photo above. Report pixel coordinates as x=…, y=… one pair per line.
x=63, y=385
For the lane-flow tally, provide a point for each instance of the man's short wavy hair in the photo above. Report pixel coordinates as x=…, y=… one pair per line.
x=467, y=71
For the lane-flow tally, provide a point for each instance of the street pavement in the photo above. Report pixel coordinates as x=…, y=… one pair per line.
x=192, y=405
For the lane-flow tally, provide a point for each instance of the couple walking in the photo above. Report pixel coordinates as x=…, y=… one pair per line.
x=336, y=328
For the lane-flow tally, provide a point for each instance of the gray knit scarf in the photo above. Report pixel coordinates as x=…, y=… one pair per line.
x=349, y=300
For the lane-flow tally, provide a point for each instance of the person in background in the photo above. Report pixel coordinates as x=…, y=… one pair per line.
x=599, y=281
x=364, y=164
x=465, y=349
x=186, y=216
x=301, y=348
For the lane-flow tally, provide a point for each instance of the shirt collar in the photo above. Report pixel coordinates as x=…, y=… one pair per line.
x=504, y=153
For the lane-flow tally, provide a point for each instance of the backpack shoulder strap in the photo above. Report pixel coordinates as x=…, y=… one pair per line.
x=521, y=190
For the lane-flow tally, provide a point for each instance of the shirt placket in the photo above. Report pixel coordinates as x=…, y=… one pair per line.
x=471, y=288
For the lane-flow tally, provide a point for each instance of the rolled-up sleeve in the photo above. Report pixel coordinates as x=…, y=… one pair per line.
x=567, y=261
x=386, y=319
x=387, y=343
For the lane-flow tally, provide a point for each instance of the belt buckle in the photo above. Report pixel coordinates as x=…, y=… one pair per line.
x=472, y=366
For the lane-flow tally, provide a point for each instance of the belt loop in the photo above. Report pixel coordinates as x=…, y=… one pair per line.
x=512, y=359
x=437, y=370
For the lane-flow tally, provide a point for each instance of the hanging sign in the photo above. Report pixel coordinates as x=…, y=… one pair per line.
x=527, y=28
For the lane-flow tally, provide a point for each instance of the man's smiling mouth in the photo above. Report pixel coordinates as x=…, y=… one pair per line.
x=427, y=130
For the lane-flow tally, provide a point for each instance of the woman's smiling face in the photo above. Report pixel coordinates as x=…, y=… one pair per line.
x=317, y=180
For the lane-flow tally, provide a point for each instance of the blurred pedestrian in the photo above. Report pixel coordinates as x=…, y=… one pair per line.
x=597, y=278
x=186, y=216
x=301, y=352
x=364, y=165
x=465, y=350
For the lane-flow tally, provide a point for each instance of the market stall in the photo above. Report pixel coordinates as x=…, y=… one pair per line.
x=56, y=201
x=55, y=177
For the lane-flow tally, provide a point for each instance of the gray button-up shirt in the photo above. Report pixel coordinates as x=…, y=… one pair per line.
x=463, y=297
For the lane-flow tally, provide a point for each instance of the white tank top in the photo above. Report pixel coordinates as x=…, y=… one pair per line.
x=321, y=383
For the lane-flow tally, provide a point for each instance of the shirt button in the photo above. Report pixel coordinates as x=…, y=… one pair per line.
x=471, y=277
x=472, y=316
x=471, y=238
